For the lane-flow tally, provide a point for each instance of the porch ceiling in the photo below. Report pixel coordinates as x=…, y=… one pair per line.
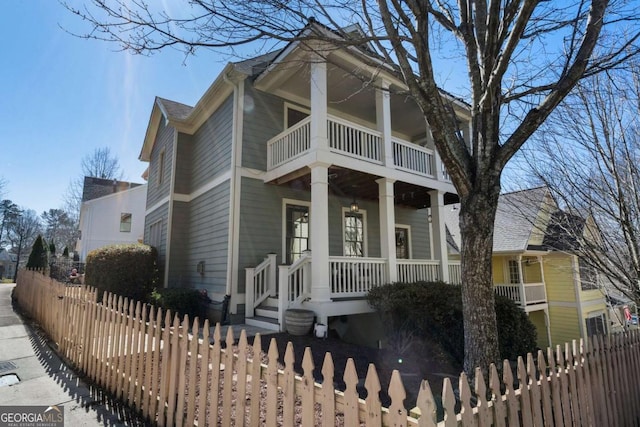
x=350, y=93
x=361, y=186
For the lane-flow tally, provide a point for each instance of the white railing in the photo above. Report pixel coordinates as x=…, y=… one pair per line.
x=412, y=158
x=289, y=144
x=412, y=270
x=355, y=277
x=455, y=272
x=294, y=284
x=354, y=140
x=511, y=291
x=260, y=283
x=534, y=293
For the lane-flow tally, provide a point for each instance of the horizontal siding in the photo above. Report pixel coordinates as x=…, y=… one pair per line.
x=591, y=295
x=537, y=318
x=211, y=146
x=156, y=191
x=498, y=263
x=564, y=324
x=263, y=119
x=420, y=238
x=183, y=164
x=558, y=276
x=208, y=236
x=179, y=245
x=160, y=214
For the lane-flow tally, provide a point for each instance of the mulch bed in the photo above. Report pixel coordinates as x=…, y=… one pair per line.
x=413, y=367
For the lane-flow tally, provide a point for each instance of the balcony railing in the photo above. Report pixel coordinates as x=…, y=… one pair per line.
x=534, y=293
x=412, y=270
x=353, y=140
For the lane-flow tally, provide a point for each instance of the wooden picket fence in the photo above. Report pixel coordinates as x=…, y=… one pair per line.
x=174, y=376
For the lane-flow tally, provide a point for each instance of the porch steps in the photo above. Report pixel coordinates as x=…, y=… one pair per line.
x=263, y=322
x=267, y=311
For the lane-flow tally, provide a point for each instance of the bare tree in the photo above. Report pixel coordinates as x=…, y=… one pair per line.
x=22, y=232
x=99, y=164
x=8, y=211
x=60, y=229
x=588, y=154
x=522, y=57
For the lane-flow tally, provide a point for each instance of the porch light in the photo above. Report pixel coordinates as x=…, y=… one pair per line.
x=354, y=206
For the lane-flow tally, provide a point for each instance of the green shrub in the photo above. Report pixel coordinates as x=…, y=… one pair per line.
x=180, y=300
x=127, y=270
x=433, y=311
x=39, y=256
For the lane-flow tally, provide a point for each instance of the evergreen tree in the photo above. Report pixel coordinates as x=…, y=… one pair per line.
x=39, y=256
x=52, y=248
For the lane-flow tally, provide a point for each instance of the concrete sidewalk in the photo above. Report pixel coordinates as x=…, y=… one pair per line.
x=45, y=380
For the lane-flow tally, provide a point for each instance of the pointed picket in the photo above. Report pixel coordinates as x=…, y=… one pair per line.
x=351, y=406
x=485, y=418
x=510, y=394
x=272, y=385
x=534, y=392
x=499, y=410
x=328, y=400
x=193, y=367
x=227, y=389
x=397, y=411
x=449, y=404
x=204, y=374
x=308, y=389
x=373, y=404
x=288, y=388
x=256, y=379
x=214, y=387
x=241, y=382
x=427, y=406
x=545, y=390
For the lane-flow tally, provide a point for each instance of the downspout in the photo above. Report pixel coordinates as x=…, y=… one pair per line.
x=234, y=199
x=172, y=184
x=576, y=287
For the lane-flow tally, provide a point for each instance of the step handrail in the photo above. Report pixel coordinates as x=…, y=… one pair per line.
x=260, y=284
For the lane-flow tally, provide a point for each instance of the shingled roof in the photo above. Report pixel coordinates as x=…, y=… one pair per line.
x=516, y=218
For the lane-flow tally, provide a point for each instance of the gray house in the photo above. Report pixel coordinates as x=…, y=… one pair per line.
x=292, y=184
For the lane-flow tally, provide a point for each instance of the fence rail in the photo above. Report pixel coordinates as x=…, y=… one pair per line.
x=174, y=376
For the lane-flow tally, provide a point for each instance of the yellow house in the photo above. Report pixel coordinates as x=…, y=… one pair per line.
x=534, y=265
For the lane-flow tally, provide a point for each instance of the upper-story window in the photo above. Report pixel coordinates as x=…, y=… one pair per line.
x=125, y=222
x=514, y=272
x=161, y=167
x=294, y=114
x=588, y=276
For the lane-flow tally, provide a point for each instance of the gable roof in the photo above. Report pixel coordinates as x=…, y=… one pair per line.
x=518, y=219
x=94, y=188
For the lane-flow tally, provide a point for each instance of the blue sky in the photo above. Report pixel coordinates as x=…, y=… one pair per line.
x=62, y=97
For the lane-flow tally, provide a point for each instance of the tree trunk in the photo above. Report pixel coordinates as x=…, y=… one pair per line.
x=477, y=216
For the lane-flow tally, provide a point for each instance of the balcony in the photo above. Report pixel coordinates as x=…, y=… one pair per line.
x=356, y=141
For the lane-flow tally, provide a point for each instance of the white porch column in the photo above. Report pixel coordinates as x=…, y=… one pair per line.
x=318, y=88
x=319, y=223
x=383, y=120
x=439, y=233
x=388, y=226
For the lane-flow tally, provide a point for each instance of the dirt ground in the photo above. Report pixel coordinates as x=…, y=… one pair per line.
x=412, y=365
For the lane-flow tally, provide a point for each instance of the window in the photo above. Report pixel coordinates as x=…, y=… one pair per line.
x=588, y=276
x=403, y=245
x=296, y=231
x=294, y=115
x=161, y=167
x=125, y=222
x=514, y=272
x=596, y=325
x=354, y=228
x=155, y=234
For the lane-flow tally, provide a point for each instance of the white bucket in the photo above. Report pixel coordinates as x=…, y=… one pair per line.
x=320, y=330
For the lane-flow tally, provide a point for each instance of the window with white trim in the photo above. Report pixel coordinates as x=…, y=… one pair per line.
x=294, y=115
x=596, y=325
x=514, y=272
x=296, y=231
x=354, y=226
x=403, y=241
x=125, y=222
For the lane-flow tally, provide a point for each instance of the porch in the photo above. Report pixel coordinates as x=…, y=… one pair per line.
x=272, y=289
